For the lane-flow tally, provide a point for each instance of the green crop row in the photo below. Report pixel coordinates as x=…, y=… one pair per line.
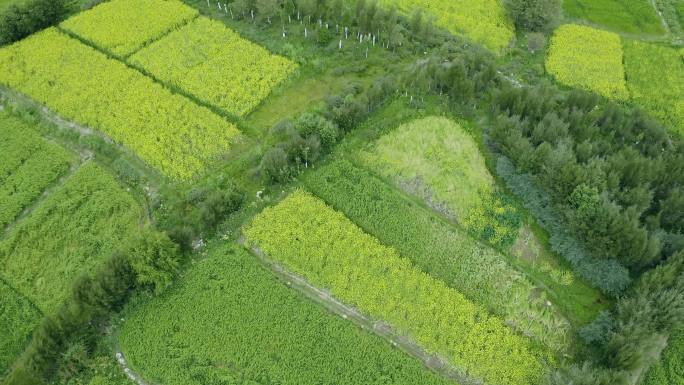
x=18, y=318
x=166, y=130
x=121, y=27
x=670, y=369
x=655, y=77
x=437, y=160
x=484, y=21
x=324, y=246
x=28, y=164
x=632, y=16
x=216, y=65
x=444, y=252
x=229, y=321
x=69, y=232
x=588, y=58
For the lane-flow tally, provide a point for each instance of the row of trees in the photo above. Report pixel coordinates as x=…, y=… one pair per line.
x=23, y=18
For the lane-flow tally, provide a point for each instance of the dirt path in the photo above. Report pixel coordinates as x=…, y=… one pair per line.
x=322, y=297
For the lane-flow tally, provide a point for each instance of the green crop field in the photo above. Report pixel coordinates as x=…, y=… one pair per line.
x=18, y=318
x=444, y=252
x=124, y=26
x=588, y=58
x=483, y=21
x=631, y=16
x=311, y=192
x=230, y=321
x=166, y=130
x=655, y=78
x=28, y=164
x=215, y=64
x=321, y=244
x=435, y=159
x=68, y=233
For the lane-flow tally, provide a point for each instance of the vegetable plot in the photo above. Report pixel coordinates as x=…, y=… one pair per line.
x=655, y=77
x=216, y=65
x=168, y=131
x=588, y=58
x=229, y=321
x=321, y=244
x=18, y=318
x=68, y=233
x=28, y=164
x=121, y=27
x=484, y=21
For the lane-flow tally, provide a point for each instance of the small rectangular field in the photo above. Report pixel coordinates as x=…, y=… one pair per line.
x=484, y=21
x=18, y=318
x=315, y=241
x=655, y=78
x=68, y=233
x=588, y=58
x=28, y=165
x=630, y=16
x=215, y=64
x=169, y=132
x=121, y=27
x=228, y=318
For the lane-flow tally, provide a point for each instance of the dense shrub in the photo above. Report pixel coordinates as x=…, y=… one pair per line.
x=534, y=15
x=23, y=18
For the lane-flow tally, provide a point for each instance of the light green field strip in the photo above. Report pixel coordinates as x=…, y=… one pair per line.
x=168, y=131
x=588, y=58
x=484, y=21
x=214, y=63
x=655, y=78
x=435, y=159
x=122, y=27
x=630, y=16
x=18, y=318
x=68, y=233
x=28, y=164
x=322, y=245
x=230, y=321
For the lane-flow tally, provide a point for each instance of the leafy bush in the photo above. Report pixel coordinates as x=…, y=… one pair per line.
x=215, y=64
x=166, y=130
x=325, y=247
x=122, y=27
x=24, y=18
x=588, y=58
x=28, y=165
x=670, y=369
x=534, y=15
x=441, y=250
x=228, y=308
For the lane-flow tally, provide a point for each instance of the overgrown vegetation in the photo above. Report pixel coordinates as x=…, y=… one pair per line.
x=21, y=19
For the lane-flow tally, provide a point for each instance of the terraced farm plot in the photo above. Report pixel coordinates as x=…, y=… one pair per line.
x=216, y=65
x=168, y=131
x=313, y=240
x=484, y=21
x=230, y=321
x=631, y=16
x=588, y=58
x=18, y=318
x=655, y=78
x=435, y=159
x=69, y=232
x=28, y=165
x=121, y=27
x=446, y=253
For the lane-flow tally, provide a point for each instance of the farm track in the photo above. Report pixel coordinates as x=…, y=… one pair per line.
x=380, y=328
